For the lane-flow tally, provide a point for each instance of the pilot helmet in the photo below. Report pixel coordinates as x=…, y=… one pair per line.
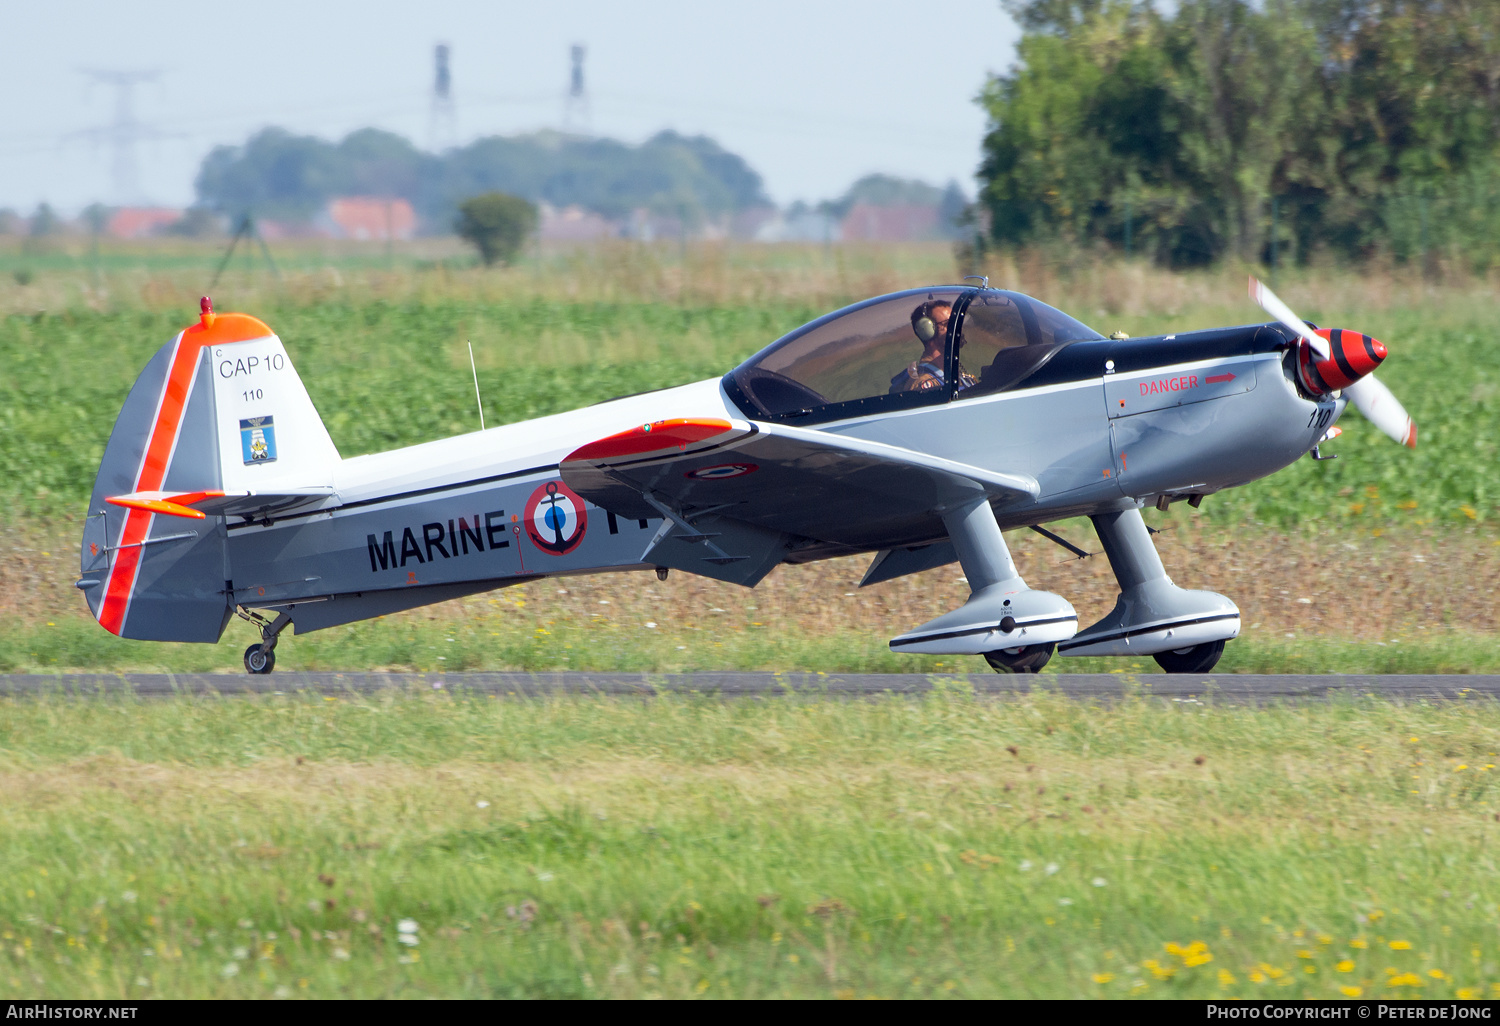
x=922, y=321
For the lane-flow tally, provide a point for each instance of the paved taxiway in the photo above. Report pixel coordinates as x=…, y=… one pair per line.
x=1183, y=688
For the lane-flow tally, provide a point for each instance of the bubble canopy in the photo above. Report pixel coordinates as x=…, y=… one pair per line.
x=906, y=349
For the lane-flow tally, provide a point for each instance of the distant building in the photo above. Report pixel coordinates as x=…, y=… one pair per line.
x=866, y=222
x=275, y=230
x=369, y=217
x=799, y=225
x=140, y=222
x=748, y=223
x=574, y=224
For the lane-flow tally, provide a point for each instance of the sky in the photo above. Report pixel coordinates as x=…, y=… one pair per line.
x=813, y=93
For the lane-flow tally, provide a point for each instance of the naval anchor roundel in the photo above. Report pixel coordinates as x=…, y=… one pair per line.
x=555, y=518
x=720, y=471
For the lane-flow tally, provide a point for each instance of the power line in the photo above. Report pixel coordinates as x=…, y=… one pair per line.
x=576, y=104
x=442, y=117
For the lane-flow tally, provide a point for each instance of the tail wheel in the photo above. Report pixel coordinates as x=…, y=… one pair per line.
x=259, y=659
x=1197, y=659
x=1027, y=659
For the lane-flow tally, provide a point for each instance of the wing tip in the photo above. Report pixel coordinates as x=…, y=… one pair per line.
x=657, y=436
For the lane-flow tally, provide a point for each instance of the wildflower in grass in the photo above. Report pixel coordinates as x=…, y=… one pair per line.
x=1192, y=955
x=1352, y=992
x=481, y=804
x=1025, y=865
x=1052, y=867
x=230, y=969
x=1103, y=978
x=1304, y=953
x=1467, y=993
x=1226, y=978
x=1359, y=942
x=1346, y=966
x=1437, y=974
x=1161, y=972
x=1400, y=945
x=1099, y=881
x=1404, y=980
x=341, y=954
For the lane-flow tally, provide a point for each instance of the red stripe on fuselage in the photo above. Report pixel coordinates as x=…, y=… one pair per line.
x=221, y=330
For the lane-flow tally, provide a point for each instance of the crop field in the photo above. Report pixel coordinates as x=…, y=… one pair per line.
x=426, y=845
x=1385, y=559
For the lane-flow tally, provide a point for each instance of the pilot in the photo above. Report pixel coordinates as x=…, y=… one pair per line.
x=929, y=322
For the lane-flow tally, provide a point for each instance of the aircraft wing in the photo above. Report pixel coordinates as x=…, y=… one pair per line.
x=799, y=482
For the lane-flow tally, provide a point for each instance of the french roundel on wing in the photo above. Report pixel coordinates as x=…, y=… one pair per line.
x=555, y=518
x=720, y=471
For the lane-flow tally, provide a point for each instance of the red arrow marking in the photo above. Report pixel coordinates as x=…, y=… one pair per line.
x=1218, y=378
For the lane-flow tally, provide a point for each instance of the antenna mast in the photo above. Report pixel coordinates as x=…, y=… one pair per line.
x=477, y=397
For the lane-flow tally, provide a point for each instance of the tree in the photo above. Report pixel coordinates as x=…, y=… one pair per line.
x=45, y=222
x=496, y=223
x=1182, y=125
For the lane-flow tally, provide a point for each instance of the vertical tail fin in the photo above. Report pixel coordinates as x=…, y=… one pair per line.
x=218, y=408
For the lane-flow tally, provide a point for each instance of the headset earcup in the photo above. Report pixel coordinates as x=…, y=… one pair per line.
x=925, y=328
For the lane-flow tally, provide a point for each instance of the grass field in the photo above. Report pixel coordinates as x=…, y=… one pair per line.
x=1388, y=547
x=684, y=847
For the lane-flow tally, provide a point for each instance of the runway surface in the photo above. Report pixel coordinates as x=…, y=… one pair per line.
x=1185, y=688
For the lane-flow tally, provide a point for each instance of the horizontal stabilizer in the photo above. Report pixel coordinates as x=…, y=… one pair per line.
x=213, y=503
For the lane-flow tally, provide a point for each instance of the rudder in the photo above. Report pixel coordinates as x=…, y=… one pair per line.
x=217, y=409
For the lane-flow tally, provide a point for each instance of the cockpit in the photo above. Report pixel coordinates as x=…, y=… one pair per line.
x=904, y=350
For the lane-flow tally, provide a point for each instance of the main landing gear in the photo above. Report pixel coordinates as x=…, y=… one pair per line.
x=1018, y=629
x=261, y=658
x=1184, y=631
x=1004, y=620
x=1197, y=659
x=1026, y=659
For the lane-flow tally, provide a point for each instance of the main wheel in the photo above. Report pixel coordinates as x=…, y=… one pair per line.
x=260, y=660
x=1197, y=659
x=1027, y=659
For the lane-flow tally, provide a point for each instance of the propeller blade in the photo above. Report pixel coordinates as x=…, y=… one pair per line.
x=1283, y=313
x=1382, y=409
